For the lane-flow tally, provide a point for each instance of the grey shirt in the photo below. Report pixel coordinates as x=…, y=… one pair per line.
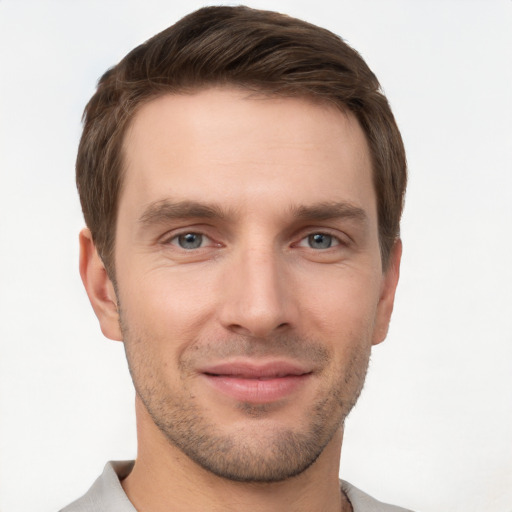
x=107, y=494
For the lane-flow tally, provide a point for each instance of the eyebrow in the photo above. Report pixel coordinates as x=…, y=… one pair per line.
x=330, y=210
x=165, y=210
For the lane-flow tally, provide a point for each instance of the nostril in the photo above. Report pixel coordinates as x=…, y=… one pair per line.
x=239, y=329
x=257, y=330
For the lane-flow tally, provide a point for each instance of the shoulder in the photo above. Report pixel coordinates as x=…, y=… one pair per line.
x=106, y=494
x=362, y=502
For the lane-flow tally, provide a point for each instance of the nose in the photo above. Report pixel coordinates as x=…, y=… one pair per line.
x=257, y=298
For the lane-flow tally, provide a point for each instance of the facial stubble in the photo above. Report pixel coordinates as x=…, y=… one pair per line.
x=261, y=451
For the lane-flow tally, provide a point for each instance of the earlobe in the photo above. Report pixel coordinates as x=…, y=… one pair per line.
x=99, y=287
x=387, y=295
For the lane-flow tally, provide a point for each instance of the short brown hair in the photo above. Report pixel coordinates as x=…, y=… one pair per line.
x=258, y=50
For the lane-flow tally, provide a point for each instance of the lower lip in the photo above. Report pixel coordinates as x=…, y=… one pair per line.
x=257, y=391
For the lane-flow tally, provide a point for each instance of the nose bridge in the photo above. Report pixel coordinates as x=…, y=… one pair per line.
x=255, y=301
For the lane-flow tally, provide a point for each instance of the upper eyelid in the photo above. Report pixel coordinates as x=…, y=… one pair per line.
x=299, y=235
x=339, y=240
x=172, y=239
x=341, y=236
x=174, y=232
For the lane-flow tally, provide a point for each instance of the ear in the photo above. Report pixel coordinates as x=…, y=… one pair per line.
x=387, y=294
x=99, y=287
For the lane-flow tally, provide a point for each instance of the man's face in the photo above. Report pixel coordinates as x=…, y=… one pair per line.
x=249, y=276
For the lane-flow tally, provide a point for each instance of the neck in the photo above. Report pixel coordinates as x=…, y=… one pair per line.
x=163, y=475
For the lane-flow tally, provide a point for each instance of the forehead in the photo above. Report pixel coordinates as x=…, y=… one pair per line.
x=228, y=146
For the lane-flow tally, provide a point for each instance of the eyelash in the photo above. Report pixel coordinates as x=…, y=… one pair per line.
x=333, y=240
x=318, y=237
x=175, y=239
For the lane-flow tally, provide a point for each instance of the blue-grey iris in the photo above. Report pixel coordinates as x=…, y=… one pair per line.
x=320, y=241
x=190, y=240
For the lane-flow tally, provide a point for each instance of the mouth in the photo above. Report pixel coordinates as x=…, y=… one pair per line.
x=256, y=383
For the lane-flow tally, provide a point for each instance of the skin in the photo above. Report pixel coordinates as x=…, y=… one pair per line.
x=280, y=265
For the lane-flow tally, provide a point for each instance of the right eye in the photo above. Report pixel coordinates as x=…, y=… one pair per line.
x=190, y=241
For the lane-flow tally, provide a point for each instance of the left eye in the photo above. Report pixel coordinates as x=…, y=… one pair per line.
x=190, y=240
x=319, y=241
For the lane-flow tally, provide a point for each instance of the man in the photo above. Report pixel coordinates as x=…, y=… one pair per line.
x=242, y=180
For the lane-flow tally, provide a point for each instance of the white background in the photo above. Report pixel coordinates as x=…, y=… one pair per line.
x=433, y=429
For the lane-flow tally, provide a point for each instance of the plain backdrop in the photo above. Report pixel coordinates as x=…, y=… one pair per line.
x=433, y=428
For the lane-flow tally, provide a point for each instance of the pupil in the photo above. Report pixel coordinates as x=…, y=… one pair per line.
x=190, y=241
x=320, y=241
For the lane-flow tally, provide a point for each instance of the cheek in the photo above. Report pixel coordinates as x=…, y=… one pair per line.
x=166, y=309
x=346, y=306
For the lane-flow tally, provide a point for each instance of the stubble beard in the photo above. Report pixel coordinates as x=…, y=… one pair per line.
x=271, y=455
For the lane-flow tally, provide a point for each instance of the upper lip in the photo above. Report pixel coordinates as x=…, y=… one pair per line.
x=255, y=370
